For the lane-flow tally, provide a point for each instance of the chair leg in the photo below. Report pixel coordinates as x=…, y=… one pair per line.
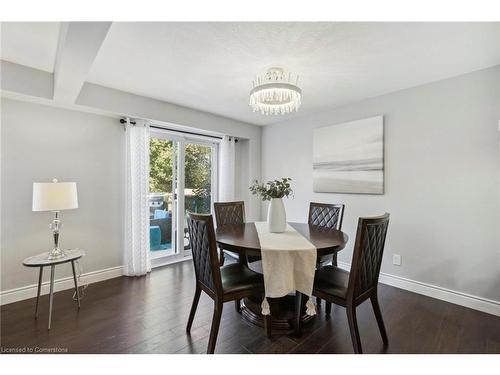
x=378, y=316
x=334, y=260
x=196, y=299
x=237, y=305
x=243, y=260
x=214, y=331
x=353, y=327
x=318, y=302
x=268, y=324
x=298, y=315
x=328, y=308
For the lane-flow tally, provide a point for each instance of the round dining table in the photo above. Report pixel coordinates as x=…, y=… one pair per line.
x=244, y=240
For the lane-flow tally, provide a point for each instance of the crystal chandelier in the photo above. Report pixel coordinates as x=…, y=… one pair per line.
x=275, y=93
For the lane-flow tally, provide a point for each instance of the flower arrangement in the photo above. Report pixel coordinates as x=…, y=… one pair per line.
x=272, y=189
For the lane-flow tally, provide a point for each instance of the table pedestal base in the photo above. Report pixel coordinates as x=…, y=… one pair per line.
x=282, y=311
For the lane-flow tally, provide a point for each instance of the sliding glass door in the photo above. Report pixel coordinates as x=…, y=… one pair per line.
x=163, y=174
x=199, y=178
x=182, y=178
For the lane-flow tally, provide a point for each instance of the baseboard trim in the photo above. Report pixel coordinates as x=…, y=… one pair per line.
x=434, y=291
x=29, y=291
x=161, y=262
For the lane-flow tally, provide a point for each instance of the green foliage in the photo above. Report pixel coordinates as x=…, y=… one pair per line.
x=272, y=189
x=198, y=162
x=160, y=165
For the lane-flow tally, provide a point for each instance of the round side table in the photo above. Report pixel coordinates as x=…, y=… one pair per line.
x=42, y=260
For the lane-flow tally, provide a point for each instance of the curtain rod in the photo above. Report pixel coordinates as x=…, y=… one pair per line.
x=123, y=121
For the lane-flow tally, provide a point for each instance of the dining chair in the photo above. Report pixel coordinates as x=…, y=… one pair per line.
x=349, y=289
x=223, y=284
x=227, y=213
x=327, y=216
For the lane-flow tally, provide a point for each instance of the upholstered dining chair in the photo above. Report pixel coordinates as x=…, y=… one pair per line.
x=227, y=213
x=327, y=216
x=223, y=284
x=349, y=289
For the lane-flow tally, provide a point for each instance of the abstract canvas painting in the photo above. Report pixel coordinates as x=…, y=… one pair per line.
x=349, y=157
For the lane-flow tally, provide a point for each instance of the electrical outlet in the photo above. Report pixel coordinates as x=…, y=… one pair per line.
x=396, y=259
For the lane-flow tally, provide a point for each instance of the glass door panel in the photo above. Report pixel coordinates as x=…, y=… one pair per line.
x=198, y=181
x=162, y=205
x=182, y=178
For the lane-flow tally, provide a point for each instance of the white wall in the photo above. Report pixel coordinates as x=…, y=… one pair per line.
x=39, y=143
x=442, y=165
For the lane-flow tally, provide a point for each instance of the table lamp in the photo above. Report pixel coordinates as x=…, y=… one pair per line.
x=55, y=196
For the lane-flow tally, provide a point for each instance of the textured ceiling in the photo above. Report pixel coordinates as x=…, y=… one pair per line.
x=210, y=66
x=32, y=44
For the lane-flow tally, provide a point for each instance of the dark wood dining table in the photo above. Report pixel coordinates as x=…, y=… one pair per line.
x=243, y=239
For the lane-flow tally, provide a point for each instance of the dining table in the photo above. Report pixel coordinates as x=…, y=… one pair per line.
x=244, y=240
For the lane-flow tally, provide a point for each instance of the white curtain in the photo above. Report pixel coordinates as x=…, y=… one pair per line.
x=227, y=169
x=136, y=247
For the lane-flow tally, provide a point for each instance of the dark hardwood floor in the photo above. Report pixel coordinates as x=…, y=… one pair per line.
x=149, y=315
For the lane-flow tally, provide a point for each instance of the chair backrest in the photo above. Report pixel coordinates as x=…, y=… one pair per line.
x=367, y=254
x=229, y=213
x=326, y=215
x=204, y=249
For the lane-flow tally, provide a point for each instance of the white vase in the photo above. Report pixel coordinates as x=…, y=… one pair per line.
x=276, y=216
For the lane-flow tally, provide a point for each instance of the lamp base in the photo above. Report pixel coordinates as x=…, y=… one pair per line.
x=56, y=253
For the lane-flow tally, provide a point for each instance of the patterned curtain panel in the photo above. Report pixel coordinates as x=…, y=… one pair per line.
x=227, y=169
x=137, y=259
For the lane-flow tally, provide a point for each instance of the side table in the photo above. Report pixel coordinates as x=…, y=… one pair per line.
x=41, y=260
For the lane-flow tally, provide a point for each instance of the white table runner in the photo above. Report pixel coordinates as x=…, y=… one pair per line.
x=288, y=262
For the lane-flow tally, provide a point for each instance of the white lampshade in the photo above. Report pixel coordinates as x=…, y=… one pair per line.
x=54, y=196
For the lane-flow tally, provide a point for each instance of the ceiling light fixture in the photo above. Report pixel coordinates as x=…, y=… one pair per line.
x=276, y=93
